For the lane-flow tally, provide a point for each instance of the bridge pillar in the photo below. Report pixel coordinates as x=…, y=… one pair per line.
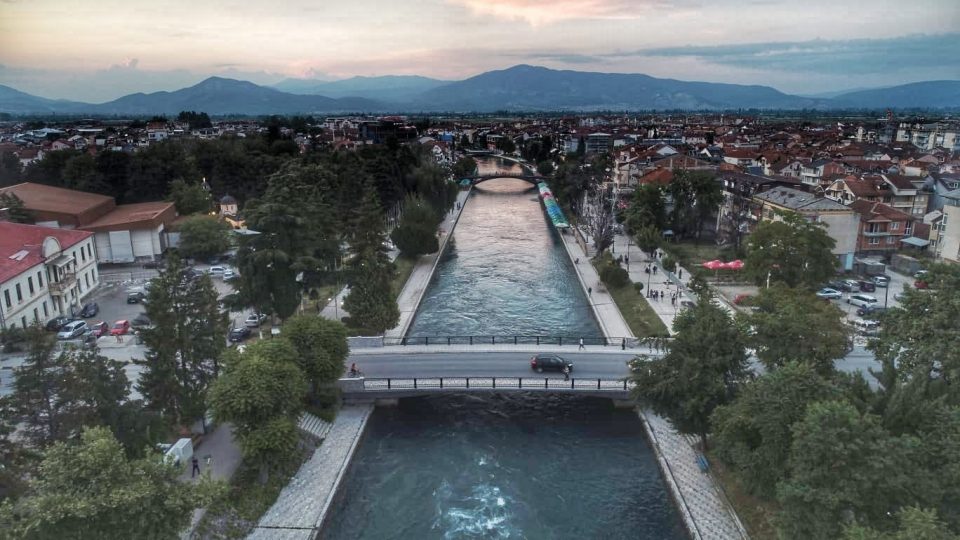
x=624, y=404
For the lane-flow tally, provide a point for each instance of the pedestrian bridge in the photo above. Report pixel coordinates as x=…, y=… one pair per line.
x=361, y=389
x=531, y=178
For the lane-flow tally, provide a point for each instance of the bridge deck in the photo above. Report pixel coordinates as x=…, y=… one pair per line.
x=362, y=388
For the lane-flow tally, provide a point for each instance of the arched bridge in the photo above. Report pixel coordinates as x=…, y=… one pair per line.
x=533, y=179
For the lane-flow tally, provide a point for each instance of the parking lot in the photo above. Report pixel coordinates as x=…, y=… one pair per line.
x=884, y=296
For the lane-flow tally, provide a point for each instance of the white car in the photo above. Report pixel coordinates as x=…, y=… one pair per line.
x=255, y=320
x=861, y=300
x=829, y=294
x=229, y=274
x=72, y=329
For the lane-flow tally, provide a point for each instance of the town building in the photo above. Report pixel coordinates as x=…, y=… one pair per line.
x=883, y=228
x=44, y=272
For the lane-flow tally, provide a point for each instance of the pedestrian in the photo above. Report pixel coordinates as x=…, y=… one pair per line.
x=661, y=295
x=119, y=338
x=623, y=344
x=589, y=291
x=581, y=345
x=646, y=269
x=196, y=467
x=627, y=260
x=576, y=261
x=679, y=273
x=566, y=373
x=654, y=269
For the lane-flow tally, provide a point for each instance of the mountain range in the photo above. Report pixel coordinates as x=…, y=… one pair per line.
x=519, y=88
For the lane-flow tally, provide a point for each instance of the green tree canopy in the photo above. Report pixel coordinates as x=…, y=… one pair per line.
x=647, y=208
x=790, y=250
x=91, y=489
x=321, y=346
x=795, y=325
x=701, y=371
x=202, y=237
x=15, y=211
x=464, y=166
x=263, y=398
x=915, y=524
x=415, y=235
x=190, y=198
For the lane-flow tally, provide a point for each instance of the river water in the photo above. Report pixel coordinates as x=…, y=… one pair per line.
x=507, y=466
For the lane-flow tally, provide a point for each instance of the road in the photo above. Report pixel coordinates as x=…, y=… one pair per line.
x=485, y=364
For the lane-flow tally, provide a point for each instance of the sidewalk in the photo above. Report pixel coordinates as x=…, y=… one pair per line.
x=219, y=458
x=605, y=310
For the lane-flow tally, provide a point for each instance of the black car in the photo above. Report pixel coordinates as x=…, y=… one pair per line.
x=90, y=310
x=867, y=286
x=56, y=323
x=549, y=362
x=239, y=334
x=136, y=297
x=141, y=321
x=836, y=285
x=871, y=312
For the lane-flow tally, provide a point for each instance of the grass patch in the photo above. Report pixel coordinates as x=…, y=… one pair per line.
x=691, y=256
x=641, y=318
x=237, y=513
x=755, y=513
x=404, y=269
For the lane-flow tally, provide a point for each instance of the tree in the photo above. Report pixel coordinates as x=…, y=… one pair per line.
x=263, y=399
x=321, y=346
x=197, y=120
x=646, y=209
x=648, y=239
x=790, y=250
x=465, y=166
x=190, y=198
x=80, y=173
x=915, y=524
x=794, y=325
x=598, y=221
x=843, y=466
x=39, y=390
x=202, y=237
x=545, y=167
x=15, y=211
x=416, y=233
x=701, y=371
x=183, y=345
x=92, y=490
x=433, y=184
x=10, y=169
x=14, y=455
x=372, y=303
x=753, y=433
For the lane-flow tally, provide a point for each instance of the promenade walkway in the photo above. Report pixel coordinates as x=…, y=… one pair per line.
x=605, y=310
x=302, y=506
x=702, y=504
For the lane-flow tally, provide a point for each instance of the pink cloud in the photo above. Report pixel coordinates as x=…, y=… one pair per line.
x=543, y=12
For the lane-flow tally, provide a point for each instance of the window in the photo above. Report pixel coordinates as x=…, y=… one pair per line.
x=90, y=250
x=86, y=277
x=45, y=312
x=19, y=294
x=6, y=296
x=36, y=315
x=891, y=240
x=39, y=279
x=83, y=255
x=874, y=241
x=23, y=321
x=895, y=226
x=30, y=285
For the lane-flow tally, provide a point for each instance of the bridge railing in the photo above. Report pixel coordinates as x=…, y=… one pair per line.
x=493, y=383
x=623, y=342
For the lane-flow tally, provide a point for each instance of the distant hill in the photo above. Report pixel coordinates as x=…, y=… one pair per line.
x=396, y=88
x=217, y=95
x=926, y=95
x=17, y=102
x=520, y=88
x=526, y=87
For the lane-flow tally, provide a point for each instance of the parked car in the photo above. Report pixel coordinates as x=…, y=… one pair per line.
x=154, y=265
x=866, y=327
x=920, y=284
x=867, y=286
x=120, y=328
x=141, y=321
x=255, y=319
x=72, y=329
x=216, y=271
x=89, y=310
x=549, y=362
x=100, y=328
x=740, y=299
x=239, y=334
x=56, y=323
x=881, y=281
x=871, y=311
x=900, y=296
x=861, y=300
x=829, y=294
x=836, y=285
x=136, y=297
x=850, y=285
x=229, y=275
x=920, y=274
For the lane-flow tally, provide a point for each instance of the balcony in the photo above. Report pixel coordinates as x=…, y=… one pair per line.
x=67, y=281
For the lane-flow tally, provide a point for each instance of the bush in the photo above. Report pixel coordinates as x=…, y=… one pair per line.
x=638, y=287
x=668, y=263
x=613, y=275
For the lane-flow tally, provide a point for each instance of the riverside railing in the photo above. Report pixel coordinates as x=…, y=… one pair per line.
x=494, y=383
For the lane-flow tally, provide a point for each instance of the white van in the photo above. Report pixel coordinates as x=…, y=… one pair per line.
x=866, y=327
x=861, y=300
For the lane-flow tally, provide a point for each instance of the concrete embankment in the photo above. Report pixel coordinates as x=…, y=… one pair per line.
x=301, y=508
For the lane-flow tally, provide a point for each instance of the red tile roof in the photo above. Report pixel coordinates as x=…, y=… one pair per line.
x=875, y=211
x=16, y=237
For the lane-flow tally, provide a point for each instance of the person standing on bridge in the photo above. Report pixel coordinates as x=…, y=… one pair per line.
x=581, y=345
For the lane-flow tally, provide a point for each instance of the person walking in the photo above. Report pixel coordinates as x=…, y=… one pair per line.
x=679, y=273
x=196, y=467
x=566, y=373
x=623, y=344
x=581, y=345
x=589, y=291
x=654, y=269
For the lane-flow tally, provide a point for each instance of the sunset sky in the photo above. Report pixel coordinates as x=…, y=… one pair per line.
x=97, y=50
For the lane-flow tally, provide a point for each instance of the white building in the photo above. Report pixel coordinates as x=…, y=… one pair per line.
x=44, y=272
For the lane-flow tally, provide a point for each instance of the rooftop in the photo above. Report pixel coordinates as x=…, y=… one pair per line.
x=795, y=199
x=21, y=246
x=127, y=215
x=53, y=199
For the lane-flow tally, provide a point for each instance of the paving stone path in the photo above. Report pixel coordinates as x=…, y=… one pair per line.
x=302, y=505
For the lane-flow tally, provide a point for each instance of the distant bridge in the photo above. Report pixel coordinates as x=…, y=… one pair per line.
x=534, y=179
x=365, y=390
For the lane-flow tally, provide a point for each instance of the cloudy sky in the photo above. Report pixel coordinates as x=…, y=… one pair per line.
x=97, y=50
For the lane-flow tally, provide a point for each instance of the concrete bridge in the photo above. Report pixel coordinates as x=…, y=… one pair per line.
x=381, y=390
x=533, y=179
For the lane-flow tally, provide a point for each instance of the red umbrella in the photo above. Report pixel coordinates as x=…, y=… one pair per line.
x=715, y=264
x=735, y=265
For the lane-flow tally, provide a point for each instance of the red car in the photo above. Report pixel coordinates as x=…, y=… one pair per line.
x=918, y=284
x=120, y=328
x=100, y=329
